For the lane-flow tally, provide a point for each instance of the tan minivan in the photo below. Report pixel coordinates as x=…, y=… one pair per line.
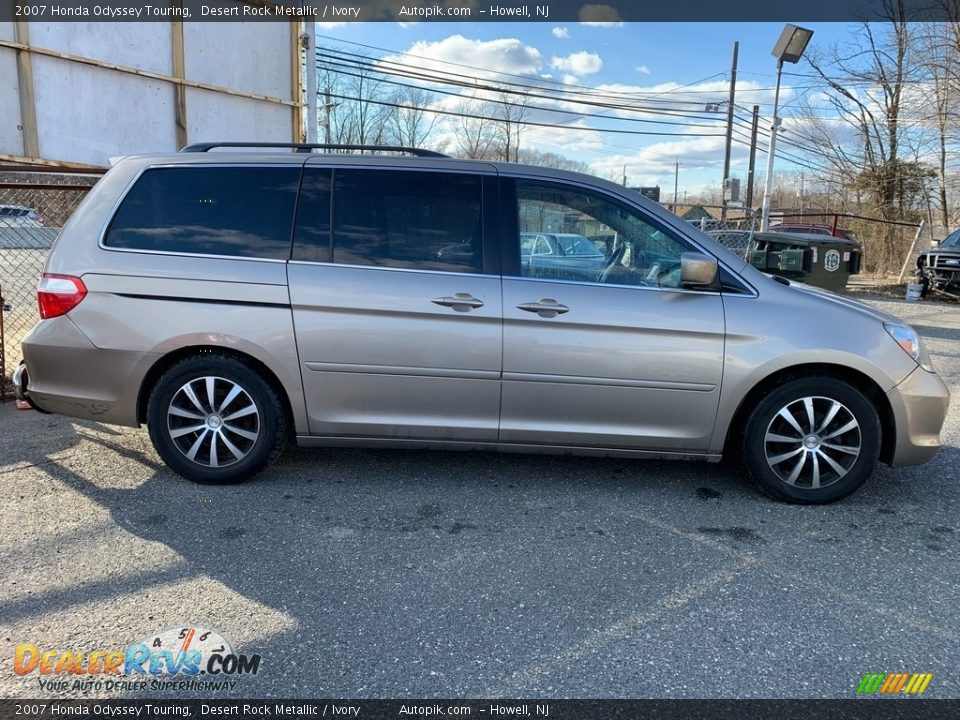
x=232, y=298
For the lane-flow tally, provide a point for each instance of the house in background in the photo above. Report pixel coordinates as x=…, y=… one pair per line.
x=691, y=213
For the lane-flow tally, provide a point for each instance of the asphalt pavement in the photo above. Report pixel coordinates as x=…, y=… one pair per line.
x=364, y=574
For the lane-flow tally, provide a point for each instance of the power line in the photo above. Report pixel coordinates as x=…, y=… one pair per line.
x=452, y=113
x=474, y=68
x=523, y=105
x=343, y=60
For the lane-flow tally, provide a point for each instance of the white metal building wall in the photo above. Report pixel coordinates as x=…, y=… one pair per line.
x=99, y=90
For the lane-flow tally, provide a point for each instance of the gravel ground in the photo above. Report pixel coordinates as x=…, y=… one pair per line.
x=416, y=574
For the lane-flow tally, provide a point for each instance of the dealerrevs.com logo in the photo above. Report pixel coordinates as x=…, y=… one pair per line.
x=182, y=658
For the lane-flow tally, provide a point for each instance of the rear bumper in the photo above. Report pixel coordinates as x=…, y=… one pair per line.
x=21, y=380
x=64, y=373
x=919, y=407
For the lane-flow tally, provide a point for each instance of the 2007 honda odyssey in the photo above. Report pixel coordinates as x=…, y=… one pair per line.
x=231, y=299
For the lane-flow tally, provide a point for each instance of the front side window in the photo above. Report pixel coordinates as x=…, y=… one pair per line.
x=233, y=211
x=408, y=219
x=592, y=238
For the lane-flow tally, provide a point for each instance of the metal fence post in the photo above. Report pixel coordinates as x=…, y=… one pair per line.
x=913, y=247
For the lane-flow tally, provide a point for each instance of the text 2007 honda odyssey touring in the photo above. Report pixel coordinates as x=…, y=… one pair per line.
x=230, y=299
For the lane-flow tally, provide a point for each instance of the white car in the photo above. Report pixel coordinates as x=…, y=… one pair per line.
x=19, y=216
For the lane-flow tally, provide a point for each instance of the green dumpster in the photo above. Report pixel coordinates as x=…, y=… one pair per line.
x=819, y=260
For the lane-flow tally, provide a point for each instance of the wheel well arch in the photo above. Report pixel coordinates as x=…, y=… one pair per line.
x=172, y=358
x=857, y=379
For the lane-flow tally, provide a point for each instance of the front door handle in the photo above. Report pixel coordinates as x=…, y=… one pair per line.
x=461, y=302
x=545, y=307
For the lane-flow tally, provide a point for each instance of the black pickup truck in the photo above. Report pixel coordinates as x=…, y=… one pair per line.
x=939, y=268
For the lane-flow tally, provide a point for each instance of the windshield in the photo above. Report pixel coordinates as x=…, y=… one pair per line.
x=951, y=241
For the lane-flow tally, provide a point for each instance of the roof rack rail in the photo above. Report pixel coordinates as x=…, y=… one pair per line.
x=307, y=147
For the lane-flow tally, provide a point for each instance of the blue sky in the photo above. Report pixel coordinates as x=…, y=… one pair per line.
x=644, y=59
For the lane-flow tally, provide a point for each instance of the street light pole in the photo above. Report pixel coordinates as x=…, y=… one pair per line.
x=771, y=150
x=789, y=48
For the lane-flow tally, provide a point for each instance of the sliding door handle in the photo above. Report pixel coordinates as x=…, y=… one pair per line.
x=461, y=302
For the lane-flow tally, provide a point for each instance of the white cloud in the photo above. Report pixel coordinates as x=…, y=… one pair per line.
x=600, y=16
x=654, y=164
x=643, y=69
x=578, y=63
x=405, y=25
x=570, y=79
x=508, y=55
x=576, y=138
x=561, y=32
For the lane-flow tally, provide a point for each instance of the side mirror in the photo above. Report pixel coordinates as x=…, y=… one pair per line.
x=698, y=270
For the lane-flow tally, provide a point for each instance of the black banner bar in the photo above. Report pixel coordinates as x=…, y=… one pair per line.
x=599, y=11
x=853, y=709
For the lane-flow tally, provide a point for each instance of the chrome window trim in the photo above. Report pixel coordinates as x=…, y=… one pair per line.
x=613, y=285
x=393, y=269
x=161, y=166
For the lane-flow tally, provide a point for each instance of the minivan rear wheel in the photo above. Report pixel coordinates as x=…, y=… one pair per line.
x=812, y=440
x=214, y=419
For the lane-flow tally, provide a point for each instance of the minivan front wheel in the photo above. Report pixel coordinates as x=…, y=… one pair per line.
x=812, y=440
x=213, y=419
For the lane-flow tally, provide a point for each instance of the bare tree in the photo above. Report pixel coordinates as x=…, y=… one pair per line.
x=411, y=123
x=551, y=160
x=866, y=79
x=511, y=111
x=360, y=110
x=939, y=50
x=475, y=130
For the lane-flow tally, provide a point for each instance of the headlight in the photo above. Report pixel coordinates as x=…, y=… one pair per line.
x=906, y=337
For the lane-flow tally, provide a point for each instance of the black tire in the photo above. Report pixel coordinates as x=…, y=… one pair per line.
x=772, y=463
x=258, y=435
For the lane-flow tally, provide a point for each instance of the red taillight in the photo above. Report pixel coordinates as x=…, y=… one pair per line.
x=59, y=294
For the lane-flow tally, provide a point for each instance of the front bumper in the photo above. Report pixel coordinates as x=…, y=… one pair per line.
x=919, y=406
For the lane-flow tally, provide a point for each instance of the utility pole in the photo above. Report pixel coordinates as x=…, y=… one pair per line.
x=327, y=107
x=726, y=156
x=676, y=180
x=753, y=156
x=801, y=196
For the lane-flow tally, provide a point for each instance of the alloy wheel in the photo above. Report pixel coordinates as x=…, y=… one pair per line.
x=213, y=421
x=812, y=442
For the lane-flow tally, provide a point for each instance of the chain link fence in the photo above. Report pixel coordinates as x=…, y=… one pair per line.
x=735, y=231
x=34, y=205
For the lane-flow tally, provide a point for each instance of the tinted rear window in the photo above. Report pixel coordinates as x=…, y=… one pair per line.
x=405, y=219
x=235, y=211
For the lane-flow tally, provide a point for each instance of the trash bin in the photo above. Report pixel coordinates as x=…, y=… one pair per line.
x=819, y=260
